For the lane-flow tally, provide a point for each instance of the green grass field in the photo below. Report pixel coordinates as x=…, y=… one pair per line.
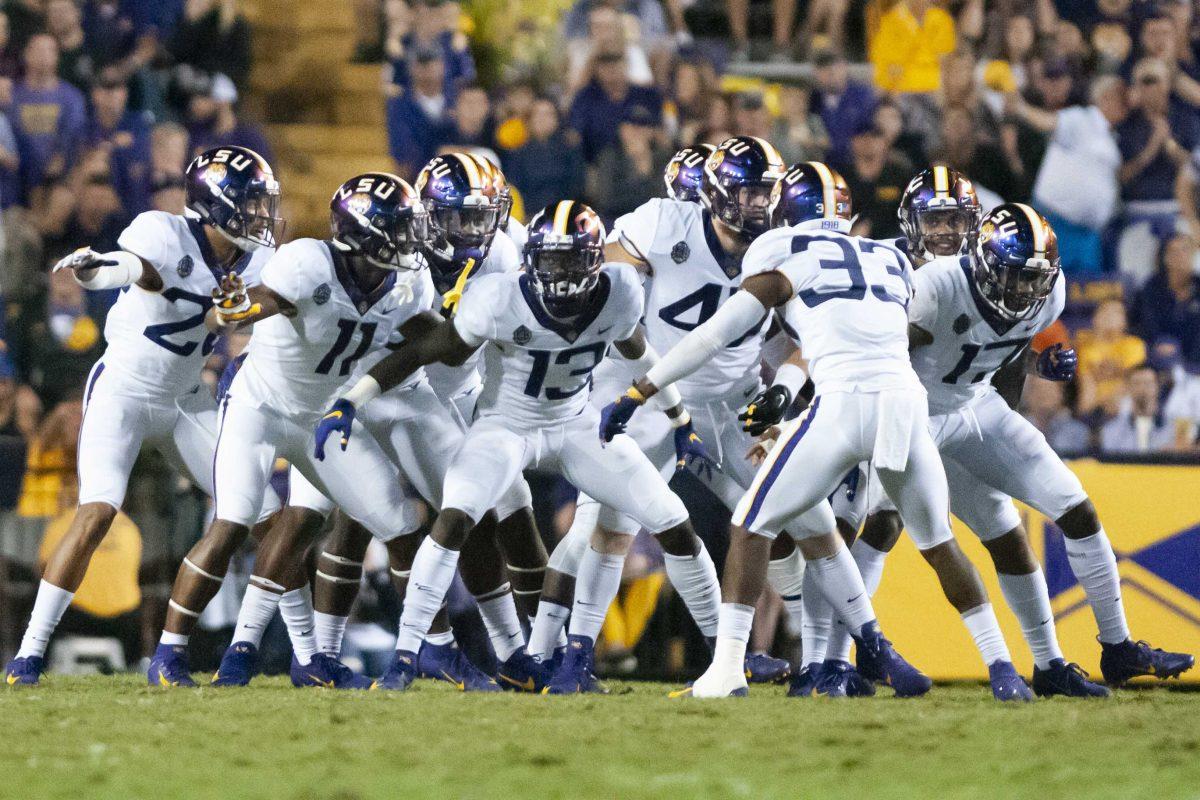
x=101, y=737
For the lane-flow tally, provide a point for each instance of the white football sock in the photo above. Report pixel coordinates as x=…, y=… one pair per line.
x=48, y=608
x=733, y=632
x=870, y=567
x=330, y=630
x=258, y=607
x=818, y=616
x=297, y=611
x=1095, y=567
x=1029, y=601
x=695, y=579
x=440, y=639
x=432, y=573
x=838, y=578
x=786, y=576
x=596, y=587
x=503, y=623
x=173, y=639
x=985, y=630
x=547, y=629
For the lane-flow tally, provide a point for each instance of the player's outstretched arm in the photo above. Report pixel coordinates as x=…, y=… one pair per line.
x=115, y=270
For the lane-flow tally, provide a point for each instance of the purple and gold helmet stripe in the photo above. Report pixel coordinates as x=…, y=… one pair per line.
x=474, y=173
x=828, y=187
x=1039, y=229
x=562, y=216
x=941, y=181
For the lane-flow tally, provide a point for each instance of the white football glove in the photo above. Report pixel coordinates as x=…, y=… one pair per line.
x=84, y=258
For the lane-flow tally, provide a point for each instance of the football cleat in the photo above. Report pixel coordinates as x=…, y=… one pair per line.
x=25, y=671
x=804, y=682
x=238, y=665
x=1129, y=659
x=576, y=674
x=762, y=668
x=325, y=670
x=878, y=661
x=840, y=679
x=401, y=673
x=1007, y=684
x=445, y=662
x=522, y=673
x=169, y=667
x=1066, y=679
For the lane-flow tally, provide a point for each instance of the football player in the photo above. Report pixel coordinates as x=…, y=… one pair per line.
x=844, y=299
x=690, y=253
x=546, y=330
x=146, y=389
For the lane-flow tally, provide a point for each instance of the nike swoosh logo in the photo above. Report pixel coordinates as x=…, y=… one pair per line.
x=684, y=692
x=525, y=686
x=852, y=599
x=319, y=682
x=334, y=415
x=1046, y=621
x=162, y=681
x=603, y=331
x=462, y=685
x=12, y=679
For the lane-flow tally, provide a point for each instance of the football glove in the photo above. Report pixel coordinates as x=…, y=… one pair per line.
x=338, y=419
x=689, y=451
x=84, y=258
x=231, y=301
x=1057, y=363
x=615, y=416
x=766, y=409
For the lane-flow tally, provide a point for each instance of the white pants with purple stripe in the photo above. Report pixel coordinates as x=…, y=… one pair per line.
x=815, y=451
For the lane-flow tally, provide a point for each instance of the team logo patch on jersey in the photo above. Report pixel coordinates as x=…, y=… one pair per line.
x=680, y=252
x=321, y=294
x=185, y=266
x=961, y=323
x=522, y=335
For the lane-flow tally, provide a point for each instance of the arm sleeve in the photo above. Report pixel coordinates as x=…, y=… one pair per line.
x=740, y=313
x=922, y=311
x=148, y=237
x=474, y=321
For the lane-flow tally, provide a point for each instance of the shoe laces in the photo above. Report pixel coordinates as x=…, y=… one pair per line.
x=1077, y=670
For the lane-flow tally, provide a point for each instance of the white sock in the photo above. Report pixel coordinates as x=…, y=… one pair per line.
x=838, y=578
x=1029, y=600
x=503, y=623
x=432, y=573
x=173, y=639
x=596, y=587
x=733, y=632
x=548, y=627
x=985, y=630
x=330, y=629
x=786, y=576
x=818, y=616
x=1095, y=567
x=48, y=608
x=695, y=579
x=258, y=607
x=297, y=611
x=870, y=567
x=440, y=639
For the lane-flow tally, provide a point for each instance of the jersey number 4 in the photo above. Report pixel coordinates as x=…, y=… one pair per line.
x=159, y=333
x=345, y=334
x=849, y=262
x=708, y=298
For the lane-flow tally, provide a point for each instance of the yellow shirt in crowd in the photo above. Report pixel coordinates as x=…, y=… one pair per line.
x=1106, y=362
x=907, y=53
x=110, y=585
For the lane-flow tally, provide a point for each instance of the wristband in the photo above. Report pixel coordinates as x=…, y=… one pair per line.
x=363, y=392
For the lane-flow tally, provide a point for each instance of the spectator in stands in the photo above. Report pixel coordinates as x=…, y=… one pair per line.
x=750, y=115
x=512, y=113
x=629, y=172
x=10, y=163
x=1154, y=140
x=599, y=107
x=547, y=167
x=1140, y=426
x=845, y=105
x=118, y=43
x=907, y=49
x=1169, y=303
x=783, y=15
x=169, y=151
x=599, y=26
x=213, y=120
x=26, y=18
x=426, y=25
x=992, y=167
x=126, y=136
x=58, y=349
x=876, y=177
x=1076, y=187
x=64, y=21
x=1180, y=393
x=1106, y=353
x=799, y=132
x=48, y=114
x=213, y=36
x=10, y=54
x=695, y=88
x=889, y=120
x=1044, y=404
x=471, y=122
x=418, y=120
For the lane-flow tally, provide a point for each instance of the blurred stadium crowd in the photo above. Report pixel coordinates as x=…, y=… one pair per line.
x=1088, y=109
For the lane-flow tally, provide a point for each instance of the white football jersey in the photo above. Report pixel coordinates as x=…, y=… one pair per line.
x=450, y=382
x=690, y=277
x=969, y=345
x=539, y=370
x=157, y=342
x=295, y=364
x=848, y=312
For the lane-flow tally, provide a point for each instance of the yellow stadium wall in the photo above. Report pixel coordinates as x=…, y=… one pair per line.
x=1152, y=516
